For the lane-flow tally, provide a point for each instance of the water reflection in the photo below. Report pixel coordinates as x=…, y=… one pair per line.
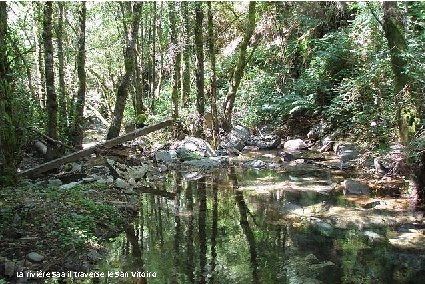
x=210, y=231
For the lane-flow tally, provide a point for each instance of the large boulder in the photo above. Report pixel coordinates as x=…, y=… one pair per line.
x=192, y=148
x=266, y=142
x=167, y=157
x=295, y=144
x=236, y=139
x=353, y=187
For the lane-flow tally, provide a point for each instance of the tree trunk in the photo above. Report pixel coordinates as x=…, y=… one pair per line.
x=199, y=42
x=237, y=74
x=81, y=71
x=213, y=83
x=186, y=56
x=62, y=98
x=394, y=33
x=122, y=92
x=138, y=104
x=153, y=69
x=52, y=106
x=161, y=61
x=177, y=61
x=7, y=133
x=39, y=64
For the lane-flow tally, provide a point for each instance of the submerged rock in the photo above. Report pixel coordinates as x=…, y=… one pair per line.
x=206, y=163
x=353, y=187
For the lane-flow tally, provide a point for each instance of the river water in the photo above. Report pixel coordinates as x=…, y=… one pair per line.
x=240, y=225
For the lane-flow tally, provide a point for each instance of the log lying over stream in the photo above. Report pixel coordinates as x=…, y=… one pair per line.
x=33, y=172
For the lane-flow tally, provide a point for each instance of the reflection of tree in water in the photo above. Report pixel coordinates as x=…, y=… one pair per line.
x=243, y=211
x=202, y=196
x=189, y=206
x=136, y=251
x=177, y=226
x=214, y=230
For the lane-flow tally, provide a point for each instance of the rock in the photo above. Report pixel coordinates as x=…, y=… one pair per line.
x=128, y=172
x=295, y=144
x=373, y=237
x=54, y=182
x=327, y=144
x=241, y=132
x=193, y=176
x=120, y=183
x=257, y=164
x=166, y=157
x=267, y=142
x=192, y=148
x=70, y=185
x=206, y=163
x=35, y=257
x=323, y=227
x=380, y=169
x=372, y=204
x=236, y=139
x=9, y=268
x=353, y=187
x=286, y=157
x=89, y=179
x=93, y=255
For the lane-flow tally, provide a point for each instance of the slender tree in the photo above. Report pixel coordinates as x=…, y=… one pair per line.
x=199, y=47
x=39, y=63
x=62, y=96
x=186, y=55
x=129, y=64
x=213, y=82
x=81, y=71
x=177, y=60
x=237, y=74
x=52, y=106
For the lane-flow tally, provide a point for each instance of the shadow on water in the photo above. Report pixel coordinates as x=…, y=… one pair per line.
x=212, y=230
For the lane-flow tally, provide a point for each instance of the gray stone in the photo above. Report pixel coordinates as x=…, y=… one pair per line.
x=295, y=144
x=323, y=227
x=93, y=255
x=236, y=139
x=286, y=157
x=35, y=257
x=193, y=176
x=164, y=156
x=353, y=187
x=373, y=237
x=257, y=164
x=120, y=183
x=70, y=185
x=192, y=148
x=9, y=268
x=54, y=182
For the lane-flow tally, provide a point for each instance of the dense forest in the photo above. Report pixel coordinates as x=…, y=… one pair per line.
x=146, y=88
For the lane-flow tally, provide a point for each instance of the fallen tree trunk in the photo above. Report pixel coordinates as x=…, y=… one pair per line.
x=33, y=172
